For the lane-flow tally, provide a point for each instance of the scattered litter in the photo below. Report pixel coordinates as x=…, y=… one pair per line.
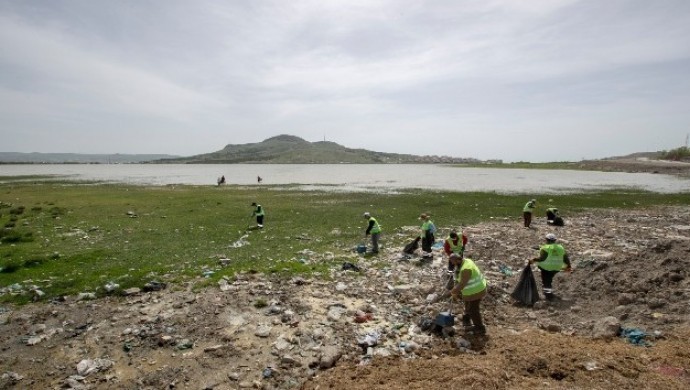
x=369, y=340
x=635, y=336
x=88, y=366
x=349, y=266
x=505, y=270
x=154, y=286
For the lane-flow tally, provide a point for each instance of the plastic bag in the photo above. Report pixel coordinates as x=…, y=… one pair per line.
x=526, y=290
x=411, y=247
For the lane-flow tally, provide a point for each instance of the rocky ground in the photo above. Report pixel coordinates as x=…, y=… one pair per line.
x=361, y=329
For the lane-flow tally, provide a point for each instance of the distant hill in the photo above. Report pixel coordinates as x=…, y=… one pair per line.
x=76, y=158
x=289, y=149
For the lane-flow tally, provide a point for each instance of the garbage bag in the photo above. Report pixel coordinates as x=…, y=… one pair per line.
x=558, y=221
x=411, y=247
x=526, y=290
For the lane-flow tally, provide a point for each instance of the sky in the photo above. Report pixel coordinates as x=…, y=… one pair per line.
x=517, y=80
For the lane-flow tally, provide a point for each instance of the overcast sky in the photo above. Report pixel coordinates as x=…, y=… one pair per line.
x=532, y=80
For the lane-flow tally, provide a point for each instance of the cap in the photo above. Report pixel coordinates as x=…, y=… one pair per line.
x=533, y=200
x=422, y=216
x=253, y=203
x=551, y=237
x=366, y=214
x=453, y=234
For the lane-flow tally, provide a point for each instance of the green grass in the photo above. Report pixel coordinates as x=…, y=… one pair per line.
x=72, y=238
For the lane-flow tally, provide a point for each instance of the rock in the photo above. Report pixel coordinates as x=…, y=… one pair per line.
x=626, y=299
x=329, y=356
x=676, y=277
x=131, y=291
x=606, y=327
x=341, y=286
x=540, y=305
x=224, y=262
x=263, y=331
x=655, y=303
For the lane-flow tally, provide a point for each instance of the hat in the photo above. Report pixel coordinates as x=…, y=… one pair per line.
x=550, y=237
x=253, y=203
x=533, y=200
x=366, y=214
x=423, y=216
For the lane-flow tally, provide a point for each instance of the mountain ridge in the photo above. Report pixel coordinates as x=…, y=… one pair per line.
x=290, y=149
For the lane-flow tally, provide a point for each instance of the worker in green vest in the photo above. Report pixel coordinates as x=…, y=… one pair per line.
x=527, y=212
x=470, y=284
x=259, y=213
x=427, y=235
x=552, y=259
x=373, y=229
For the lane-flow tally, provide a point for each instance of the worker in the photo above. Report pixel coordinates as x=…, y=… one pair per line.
x=527, y=212
x=470, y=284
x=374, y=229
x=427, y=235
x=552, y=217
x=552, y=259
x=453, y=244
x=259, y=213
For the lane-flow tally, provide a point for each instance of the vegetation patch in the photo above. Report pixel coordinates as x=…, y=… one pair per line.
x=85, y=236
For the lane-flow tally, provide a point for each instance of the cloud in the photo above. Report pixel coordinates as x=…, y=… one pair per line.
x=376, y=73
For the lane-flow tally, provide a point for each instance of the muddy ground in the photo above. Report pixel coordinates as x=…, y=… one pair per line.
x=361, y=329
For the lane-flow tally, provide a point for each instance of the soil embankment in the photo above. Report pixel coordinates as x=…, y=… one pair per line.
x=263, y=332
x=678, y=168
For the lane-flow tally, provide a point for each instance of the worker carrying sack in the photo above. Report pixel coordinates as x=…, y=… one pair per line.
x=526, y=290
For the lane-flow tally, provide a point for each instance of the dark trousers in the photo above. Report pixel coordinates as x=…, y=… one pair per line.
x=427, y=241
x=259, y=219
x=473, y=313
x=527, y=216
x=547, y=281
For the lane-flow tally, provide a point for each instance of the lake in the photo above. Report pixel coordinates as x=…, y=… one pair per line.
x=359, y=177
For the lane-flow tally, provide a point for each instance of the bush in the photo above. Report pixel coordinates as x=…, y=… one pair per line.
x=678, y=154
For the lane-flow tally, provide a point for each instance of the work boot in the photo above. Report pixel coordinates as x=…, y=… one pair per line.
x=466, y=321
x=549, y=296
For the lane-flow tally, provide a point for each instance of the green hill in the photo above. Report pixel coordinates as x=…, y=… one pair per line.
x=289, y=149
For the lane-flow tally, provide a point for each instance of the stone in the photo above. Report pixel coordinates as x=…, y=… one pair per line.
x=606, y=327
x=329, y=356
x=626, y=299
x=263, y=331
x=131, y=291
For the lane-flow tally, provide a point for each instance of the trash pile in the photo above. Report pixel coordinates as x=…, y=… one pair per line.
x=264, y=331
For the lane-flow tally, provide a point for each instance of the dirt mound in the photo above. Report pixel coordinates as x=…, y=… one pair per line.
x=361, y=330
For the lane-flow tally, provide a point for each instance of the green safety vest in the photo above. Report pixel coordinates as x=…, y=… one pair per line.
x=528, y=207
x=477, y=283
x=426, y=226
x=376, y=228
x=456, y=248
x=554, y=262
x=259, y=211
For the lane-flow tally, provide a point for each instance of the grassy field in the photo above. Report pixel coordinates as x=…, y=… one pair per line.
x=67, y=238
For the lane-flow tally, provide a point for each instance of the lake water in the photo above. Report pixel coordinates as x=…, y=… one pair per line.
x=360, y=177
